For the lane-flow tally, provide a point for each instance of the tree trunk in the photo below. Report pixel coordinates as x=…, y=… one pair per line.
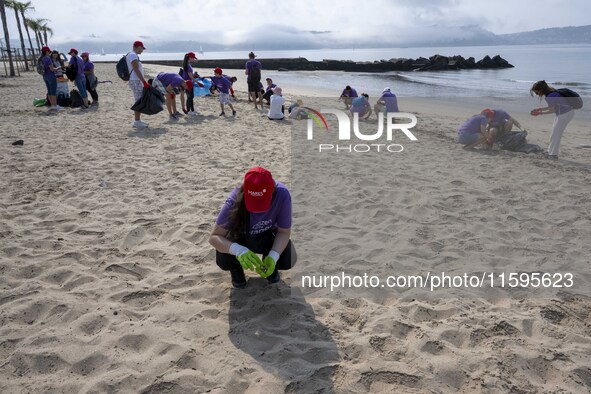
x=20, y=33
x=28, y=34
x=45, y=37
x=6, y=36
x=38, y=40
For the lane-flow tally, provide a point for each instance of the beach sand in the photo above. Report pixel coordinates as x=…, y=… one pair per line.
x=108, y=282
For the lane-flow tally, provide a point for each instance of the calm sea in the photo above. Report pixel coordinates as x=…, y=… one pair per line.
x=560, y=65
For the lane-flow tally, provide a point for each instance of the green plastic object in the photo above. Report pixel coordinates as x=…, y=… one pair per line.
x=39, y=102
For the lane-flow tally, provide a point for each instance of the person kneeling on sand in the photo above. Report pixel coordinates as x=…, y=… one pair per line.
x=167, y=83
x=276, y=108
x=499, y=122
x=361, y=106
x=347, y=96
x=386, y=103
x=255, y=219
x=473, y=132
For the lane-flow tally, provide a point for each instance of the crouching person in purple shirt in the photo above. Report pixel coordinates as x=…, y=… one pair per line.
x=473, y=132
x=168, y=84
x=255, y=219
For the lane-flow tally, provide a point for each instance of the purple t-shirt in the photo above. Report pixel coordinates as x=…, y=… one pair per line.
x=80, y=63
x=88, y=66
x=171, y=79
x=391, y=101
x=253, y=65
x=559, y=103
x=46, y=61
x=222, y=83
x=272, y=86
x=279, y=215
x=187, y=72
x=351, y=93
x=472, y=125
x=499, y=118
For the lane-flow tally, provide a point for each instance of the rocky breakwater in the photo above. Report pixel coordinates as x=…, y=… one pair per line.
x=434, y=63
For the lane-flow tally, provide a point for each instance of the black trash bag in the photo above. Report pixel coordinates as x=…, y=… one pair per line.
x=151, y=102
x=516, y=141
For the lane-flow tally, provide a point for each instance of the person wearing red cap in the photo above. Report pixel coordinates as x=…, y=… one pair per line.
x=224, y=85
x=168, y=84
x=255, y=219
x=49, y=71
x=80, y=81
x=137, y=82
x=188, y=74
x=91, y=81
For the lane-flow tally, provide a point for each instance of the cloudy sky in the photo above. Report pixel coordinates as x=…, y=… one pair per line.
x=231, y=21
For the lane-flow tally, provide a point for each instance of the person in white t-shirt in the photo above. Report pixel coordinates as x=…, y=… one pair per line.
x=276, y=106
x=137, y=82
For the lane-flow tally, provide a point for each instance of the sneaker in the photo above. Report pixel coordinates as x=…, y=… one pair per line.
x=55, y=108
x=138, y=124
x=173, y=118
x=192, y=113
x=238, y=278
x=177, y=114
x=274, y=278
x=222, y=114
x=233, y=113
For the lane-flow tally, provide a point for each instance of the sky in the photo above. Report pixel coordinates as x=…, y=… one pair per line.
x=229, y=22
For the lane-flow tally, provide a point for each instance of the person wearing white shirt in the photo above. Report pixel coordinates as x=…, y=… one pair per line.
x=276, y=107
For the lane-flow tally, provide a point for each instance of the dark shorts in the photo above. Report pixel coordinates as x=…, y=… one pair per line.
x=253, y=86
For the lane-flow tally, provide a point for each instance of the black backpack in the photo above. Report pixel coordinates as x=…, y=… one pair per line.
x=573, y=98
x=254, y=74
x=75, y=99
x=72, y=71
x=122, y=69
x=63, y=100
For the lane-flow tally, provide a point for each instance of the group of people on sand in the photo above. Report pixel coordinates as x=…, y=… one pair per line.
x=489, y=125
x=356, y=104
x=82, y=71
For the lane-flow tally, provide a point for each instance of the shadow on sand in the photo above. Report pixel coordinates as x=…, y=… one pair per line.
x=277, y=327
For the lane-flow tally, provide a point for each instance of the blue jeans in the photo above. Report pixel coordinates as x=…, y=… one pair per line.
x=81, y=85
x=468, y=139
x=51, y=84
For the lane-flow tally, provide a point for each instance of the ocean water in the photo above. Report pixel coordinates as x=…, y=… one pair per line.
x=559, y=65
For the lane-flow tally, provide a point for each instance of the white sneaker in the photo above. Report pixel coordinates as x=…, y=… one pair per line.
x=55, y=108
x=192, y=113
x=138, y=124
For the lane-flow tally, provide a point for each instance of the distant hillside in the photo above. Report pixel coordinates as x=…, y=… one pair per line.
x=554, y=35
x=424, y=36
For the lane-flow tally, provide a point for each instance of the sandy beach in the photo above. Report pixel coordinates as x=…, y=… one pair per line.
x=108, y=282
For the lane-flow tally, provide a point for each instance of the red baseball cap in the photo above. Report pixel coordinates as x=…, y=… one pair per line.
x=191, y=55
x=45, y=49
x=139, y=44
x=258, y=189
x=73, y=50
x=488, y=113
x=217, y=70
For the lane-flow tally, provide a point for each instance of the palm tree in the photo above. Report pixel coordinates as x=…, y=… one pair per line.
x=15, y=5
x=46, y=29
x=35, y=25
x=24, y=7
x=6, y=36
